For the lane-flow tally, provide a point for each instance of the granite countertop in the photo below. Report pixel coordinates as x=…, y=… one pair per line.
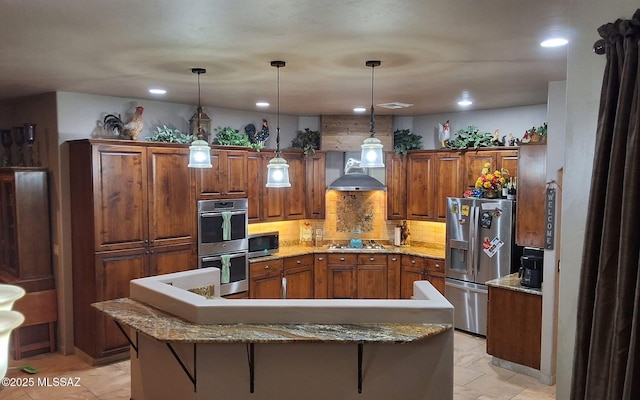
x=512, y=282
x=168, y=328
x=300, y=250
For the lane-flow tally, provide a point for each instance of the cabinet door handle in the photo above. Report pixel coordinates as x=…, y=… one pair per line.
x=372, y=258
x=341, y=258
x=437, y=265
x=320, y=258
x=266, y=267
x=394, y=259
x=413, y=261
x=298, y=262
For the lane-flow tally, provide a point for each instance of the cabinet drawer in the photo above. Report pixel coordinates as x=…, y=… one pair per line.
x=372, y=259
x=434, y=265
x=342, y=259
x=265, y=267
x=293, y=262
x=413, y=261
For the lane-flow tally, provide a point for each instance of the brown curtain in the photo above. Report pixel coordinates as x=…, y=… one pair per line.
x=607, y=350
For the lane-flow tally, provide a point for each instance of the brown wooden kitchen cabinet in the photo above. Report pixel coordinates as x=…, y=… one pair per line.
x=514, y=326
x=265, y=279
x=357, y=276
x=341, y=276
x=290, y=278
x=498, y=158
x=448, y=180
x=278, y=204
x=371, y=276
x=414, y=268
x=316, y=185
x=226, y=179
x=298, y=272
x=530, y=221
x=255, y=185
x=396, y=170
x=25, y=241
x=320, y=276
x=133, y=215
x=421, y=193
x=393, y=276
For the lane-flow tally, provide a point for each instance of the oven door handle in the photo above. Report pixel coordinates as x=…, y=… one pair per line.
x=216, y=258
x=218, y=214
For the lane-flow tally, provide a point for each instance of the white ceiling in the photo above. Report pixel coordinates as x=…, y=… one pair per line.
x=431, y=51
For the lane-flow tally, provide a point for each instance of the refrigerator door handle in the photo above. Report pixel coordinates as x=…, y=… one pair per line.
x=469, y=288
x=471, y=266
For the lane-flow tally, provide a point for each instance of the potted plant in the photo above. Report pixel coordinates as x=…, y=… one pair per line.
x=308, y=141
x=167, y=134
x=227, y=136
x=404, y=140
x=470, y=137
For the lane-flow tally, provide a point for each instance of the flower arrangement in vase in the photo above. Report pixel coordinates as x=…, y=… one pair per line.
x=490, y=183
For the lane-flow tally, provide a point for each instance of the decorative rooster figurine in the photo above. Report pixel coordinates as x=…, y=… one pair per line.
x=130, y=130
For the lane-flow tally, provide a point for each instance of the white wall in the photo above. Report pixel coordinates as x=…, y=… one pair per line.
x=584, y=79
x=514, y=120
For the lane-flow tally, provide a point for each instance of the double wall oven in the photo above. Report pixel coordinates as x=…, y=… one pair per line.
x=223, y=242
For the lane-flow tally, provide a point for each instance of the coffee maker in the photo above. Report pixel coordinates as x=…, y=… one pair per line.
x=531, y=267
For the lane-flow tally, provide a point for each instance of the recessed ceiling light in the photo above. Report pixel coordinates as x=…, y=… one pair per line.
x=157, y=91
x=262, y=104
x=554, y=42
x=359, y=109
x=465, y=103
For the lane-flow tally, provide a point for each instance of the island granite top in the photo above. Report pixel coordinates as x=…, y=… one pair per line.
x=168, y=328
x=512, y=282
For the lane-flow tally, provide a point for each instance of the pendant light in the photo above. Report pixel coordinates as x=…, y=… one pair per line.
x=199, y=151
x=372, y=147
x=278, y=169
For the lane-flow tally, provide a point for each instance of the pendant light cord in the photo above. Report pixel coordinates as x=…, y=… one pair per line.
x=372, y=123
x=278, y=117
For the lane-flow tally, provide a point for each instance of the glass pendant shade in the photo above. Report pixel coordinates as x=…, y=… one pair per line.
x=371, y=156
x=278, y=173
x=199, y=155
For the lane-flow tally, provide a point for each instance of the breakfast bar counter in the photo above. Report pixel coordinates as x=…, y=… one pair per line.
x=190, y=345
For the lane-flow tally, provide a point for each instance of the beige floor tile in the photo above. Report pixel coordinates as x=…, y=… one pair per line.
x=463, y=375
x=13, y=393
x=529, y=394
x=496, y=387
x=532, y=383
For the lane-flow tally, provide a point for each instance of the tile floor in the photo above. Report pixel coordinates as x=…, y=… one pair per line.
x=474, y=378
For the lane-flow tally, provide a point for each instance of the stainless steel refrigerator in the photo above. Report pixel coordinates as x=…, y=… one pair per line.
x=479, y=247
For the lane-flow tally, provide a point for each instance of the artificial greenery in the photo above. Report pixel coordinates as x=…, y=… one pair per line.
x=227, y=136
x=308, y=141
x=471, y=137
x=541, y=130
x=168, y=134
x=404, y=140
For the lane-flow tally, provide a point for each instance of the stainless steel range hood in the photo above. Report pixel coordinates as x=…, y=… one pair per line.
x=355, y=178
x=356, y=182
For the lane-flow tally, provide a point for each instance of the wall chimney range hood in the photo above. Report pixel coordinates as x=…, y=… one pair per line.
x=355, y=178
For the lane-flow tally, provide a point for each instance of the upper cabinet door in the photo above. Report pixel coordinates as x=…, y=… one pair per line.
x=421, y=195
x=172, y=201
x=316, y=185
x=295, y=197
x=474, y=162
x=120, y=197
x=226, y=179
x=396, y=169
x=448, y=180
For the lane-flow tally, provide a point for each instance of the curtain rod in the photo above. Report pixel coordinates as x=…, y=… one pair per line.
x=598, y=47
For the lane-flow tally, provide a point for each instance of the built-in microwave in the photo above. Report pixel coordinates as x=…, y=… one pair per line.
x=263, y=244
x=222, y=226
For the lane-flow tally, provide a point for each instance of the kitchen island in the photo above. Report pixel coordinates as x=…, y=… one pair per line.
x=390, y=349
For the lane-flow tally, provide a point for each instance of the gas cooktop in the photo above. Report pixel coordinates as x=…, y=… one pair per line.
x=371, y=246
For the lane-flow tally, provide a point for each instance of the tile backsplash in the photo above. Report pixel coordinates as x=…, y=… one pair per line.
x=349, y=211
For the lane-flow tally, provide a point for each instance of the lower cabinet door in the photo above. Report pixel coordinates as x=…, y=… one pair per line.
x=408, y=275
x=372, y=281
x=114, y=270
x=299, y=282
x=168, y=259
x=342, y=281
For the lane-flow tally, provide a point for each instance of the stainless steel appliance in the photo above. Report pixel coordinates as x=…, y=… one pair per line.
x=370, y=246
x=236, y=277
x=479, y=247
x=223, y=242
x=222, y=226
x=263, y=244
